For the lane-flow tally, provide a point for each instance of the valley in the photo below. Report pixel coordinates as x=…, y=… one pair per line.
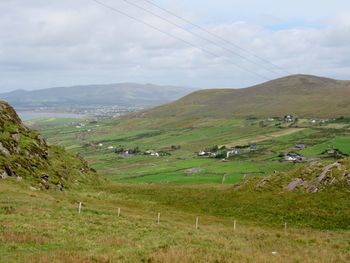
x=164, y=188
x=97, y=142
x=148, y=131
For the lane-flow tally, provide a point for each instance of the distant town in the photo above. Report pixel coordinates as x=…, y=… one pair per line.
x=93, y=111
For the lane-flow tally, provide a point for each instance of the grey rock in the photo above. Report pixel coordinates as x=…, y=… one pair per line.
x=16, y=137
x=45, y=178
x=59, y=187
x=313, y=189
x=17, y=149
x=295, y=184
x=325, y=170
x=3, y=175
x=262, y=183
x=4, y=151
x=41, y=140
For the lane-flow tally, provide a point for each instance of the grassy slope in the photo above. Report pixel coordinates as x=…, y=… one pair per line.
x=300, y=95
x=58, y=234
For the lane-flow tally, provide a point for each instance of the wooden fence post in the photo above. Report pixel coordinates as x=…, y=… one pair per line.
x=158, y=218
x=223, y=179
x=79, y=209
x=118, y=211
x=234, y=225
x=197, y=222
x=285, y=228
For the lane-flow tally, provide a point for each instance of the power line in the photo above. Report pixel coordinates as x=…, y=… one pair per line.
x=218, y=37
x=175, y=37
x=203, y=38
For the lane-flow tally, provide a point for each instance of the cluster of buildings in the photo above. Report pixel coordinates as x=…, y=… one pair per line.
x=227, y=153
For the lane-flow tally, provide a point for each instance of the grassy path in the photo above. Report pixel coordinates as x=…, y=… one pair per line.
x=265, y=137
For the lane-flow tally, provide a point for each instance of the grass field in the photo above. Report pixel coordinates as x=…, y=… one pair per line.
x=192, y=136
x=317, y=231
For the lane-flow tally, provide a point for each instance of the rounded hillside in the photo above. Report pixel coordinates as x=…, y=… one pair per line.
x=301, y=95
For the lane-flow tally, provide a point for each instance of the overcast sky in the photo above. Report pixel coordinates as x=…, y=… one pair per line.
x=63, y=42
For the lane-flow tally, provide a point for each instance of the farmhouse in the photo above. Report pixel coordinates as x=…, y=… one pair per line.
x=293, y=157
x=289, y=118
x=232, y=152
x=203, y=153
x=332, y=152
x=253, y=147
x=300, y=146
x=157, y=153
x=213, y=155
x=149, y=152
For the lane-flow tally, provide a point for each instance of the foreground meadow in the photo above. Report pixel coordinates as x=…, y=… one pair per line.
x=46, y=226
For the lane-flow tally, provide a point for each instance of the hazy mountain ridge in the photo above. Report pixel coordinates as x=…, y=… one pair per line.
x=302, y=95
x=122, y=94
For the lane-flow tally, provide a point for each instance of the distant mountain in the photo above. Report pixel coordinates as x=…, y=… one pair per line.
x=301, y=95
x=123, y=94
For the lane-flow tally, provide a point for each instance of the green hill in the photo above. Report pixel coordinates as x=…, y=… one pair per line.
x=25, y=155
x=301, y=95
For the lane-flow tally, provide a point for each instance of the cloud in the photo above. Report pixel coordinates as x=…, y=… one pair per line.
x=55, y=43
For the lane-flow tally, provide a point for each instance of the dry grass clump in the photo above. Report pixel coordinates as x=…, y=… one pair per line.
x=18, y=237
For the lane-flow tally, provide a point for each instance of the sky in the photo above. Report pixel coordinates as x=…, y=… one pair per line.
x=63, y=43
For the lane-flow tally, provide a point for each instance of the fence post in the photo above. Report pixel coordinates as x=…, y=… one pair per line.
x=197, y=222
x=223, y=179
x=79, y=208
x=158, y=218
x=234, y=225
x=285, y=228
x=118, y=211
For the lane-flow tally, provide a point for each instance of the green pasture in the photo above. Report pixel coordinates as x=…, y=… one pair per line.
x=192, y=136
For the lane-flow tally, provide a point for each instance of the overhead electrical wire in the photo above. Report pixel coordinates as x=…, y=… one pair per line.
x=114, y=9
x=203, y=38
x=218, y=37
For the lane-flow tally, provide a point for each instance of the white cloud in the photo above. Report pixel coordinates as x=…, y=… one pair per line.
x=55, y=43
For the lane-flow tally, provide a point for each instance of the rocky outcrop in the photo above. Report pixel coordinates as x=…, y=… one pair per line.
x=295, y=184
x=24, y=154
x=314, y=178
